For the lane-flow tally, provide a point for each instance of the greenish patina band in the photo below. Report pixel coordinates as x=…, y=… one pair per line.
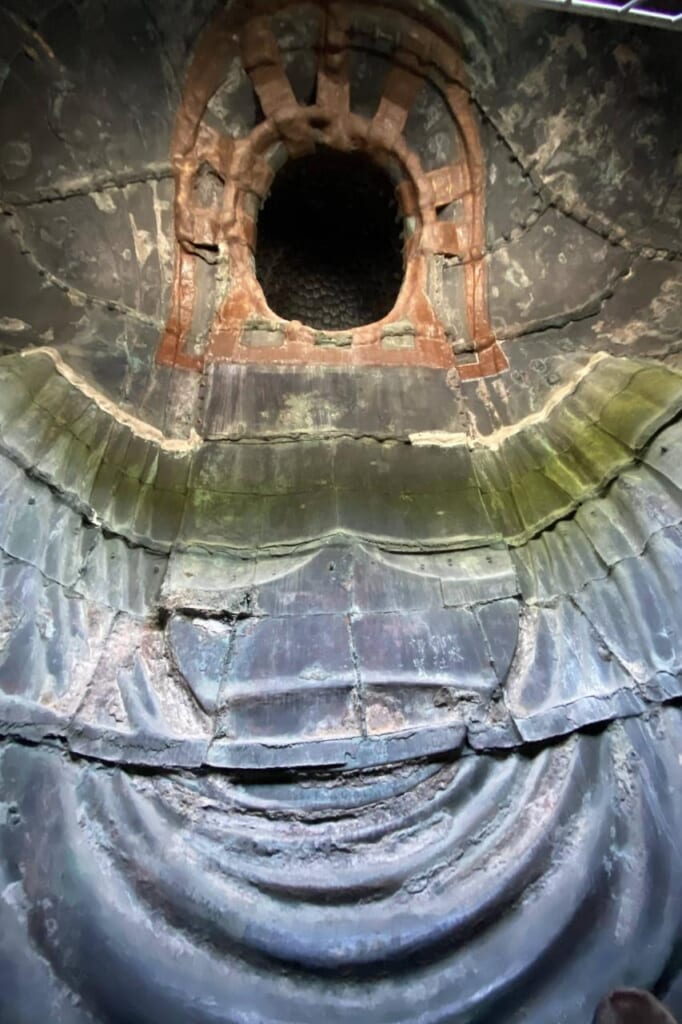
x=239, y=496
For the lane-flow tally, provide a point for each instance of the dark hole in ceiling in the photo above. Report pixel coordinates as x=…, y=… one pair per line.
x=330, y=244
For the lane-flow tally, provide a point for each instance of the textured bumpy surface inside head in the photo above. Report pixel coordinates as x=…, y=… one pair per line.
x=329, y=249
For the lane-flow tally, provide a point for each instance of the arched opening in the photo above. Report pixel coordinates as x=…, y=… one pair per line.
x=330, y=241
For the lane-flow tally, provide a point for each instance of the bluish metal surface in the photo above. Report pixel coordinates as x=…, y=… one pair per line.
x=645, y=12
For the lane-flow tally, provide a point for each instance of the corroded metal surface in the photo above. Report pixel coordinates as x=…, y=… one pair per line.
x=243, y=41
x=338, y=691
x=443, y=892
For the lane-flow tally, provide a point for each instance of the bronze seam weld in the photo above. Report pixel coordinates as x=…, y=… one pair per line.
x=333, y=83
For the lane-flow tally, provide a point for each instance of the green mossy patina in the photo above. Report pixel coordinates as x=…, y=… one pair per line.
x=242, y=496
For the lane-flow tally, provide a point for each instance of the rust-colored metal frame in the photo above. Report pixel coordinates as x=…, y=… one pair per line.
x=247, y=168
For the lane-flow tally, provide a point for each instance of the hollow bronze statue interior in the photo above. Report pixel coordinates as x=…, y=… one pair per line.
x=330, y=251
x=340, y=543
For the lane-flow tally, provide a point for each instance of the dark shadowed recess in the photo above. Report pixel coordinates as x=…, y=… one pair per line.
x=330, y=244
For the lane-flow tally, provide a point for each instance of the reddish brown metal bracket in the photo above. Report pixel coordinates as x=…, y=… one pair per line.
x=246, y=168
